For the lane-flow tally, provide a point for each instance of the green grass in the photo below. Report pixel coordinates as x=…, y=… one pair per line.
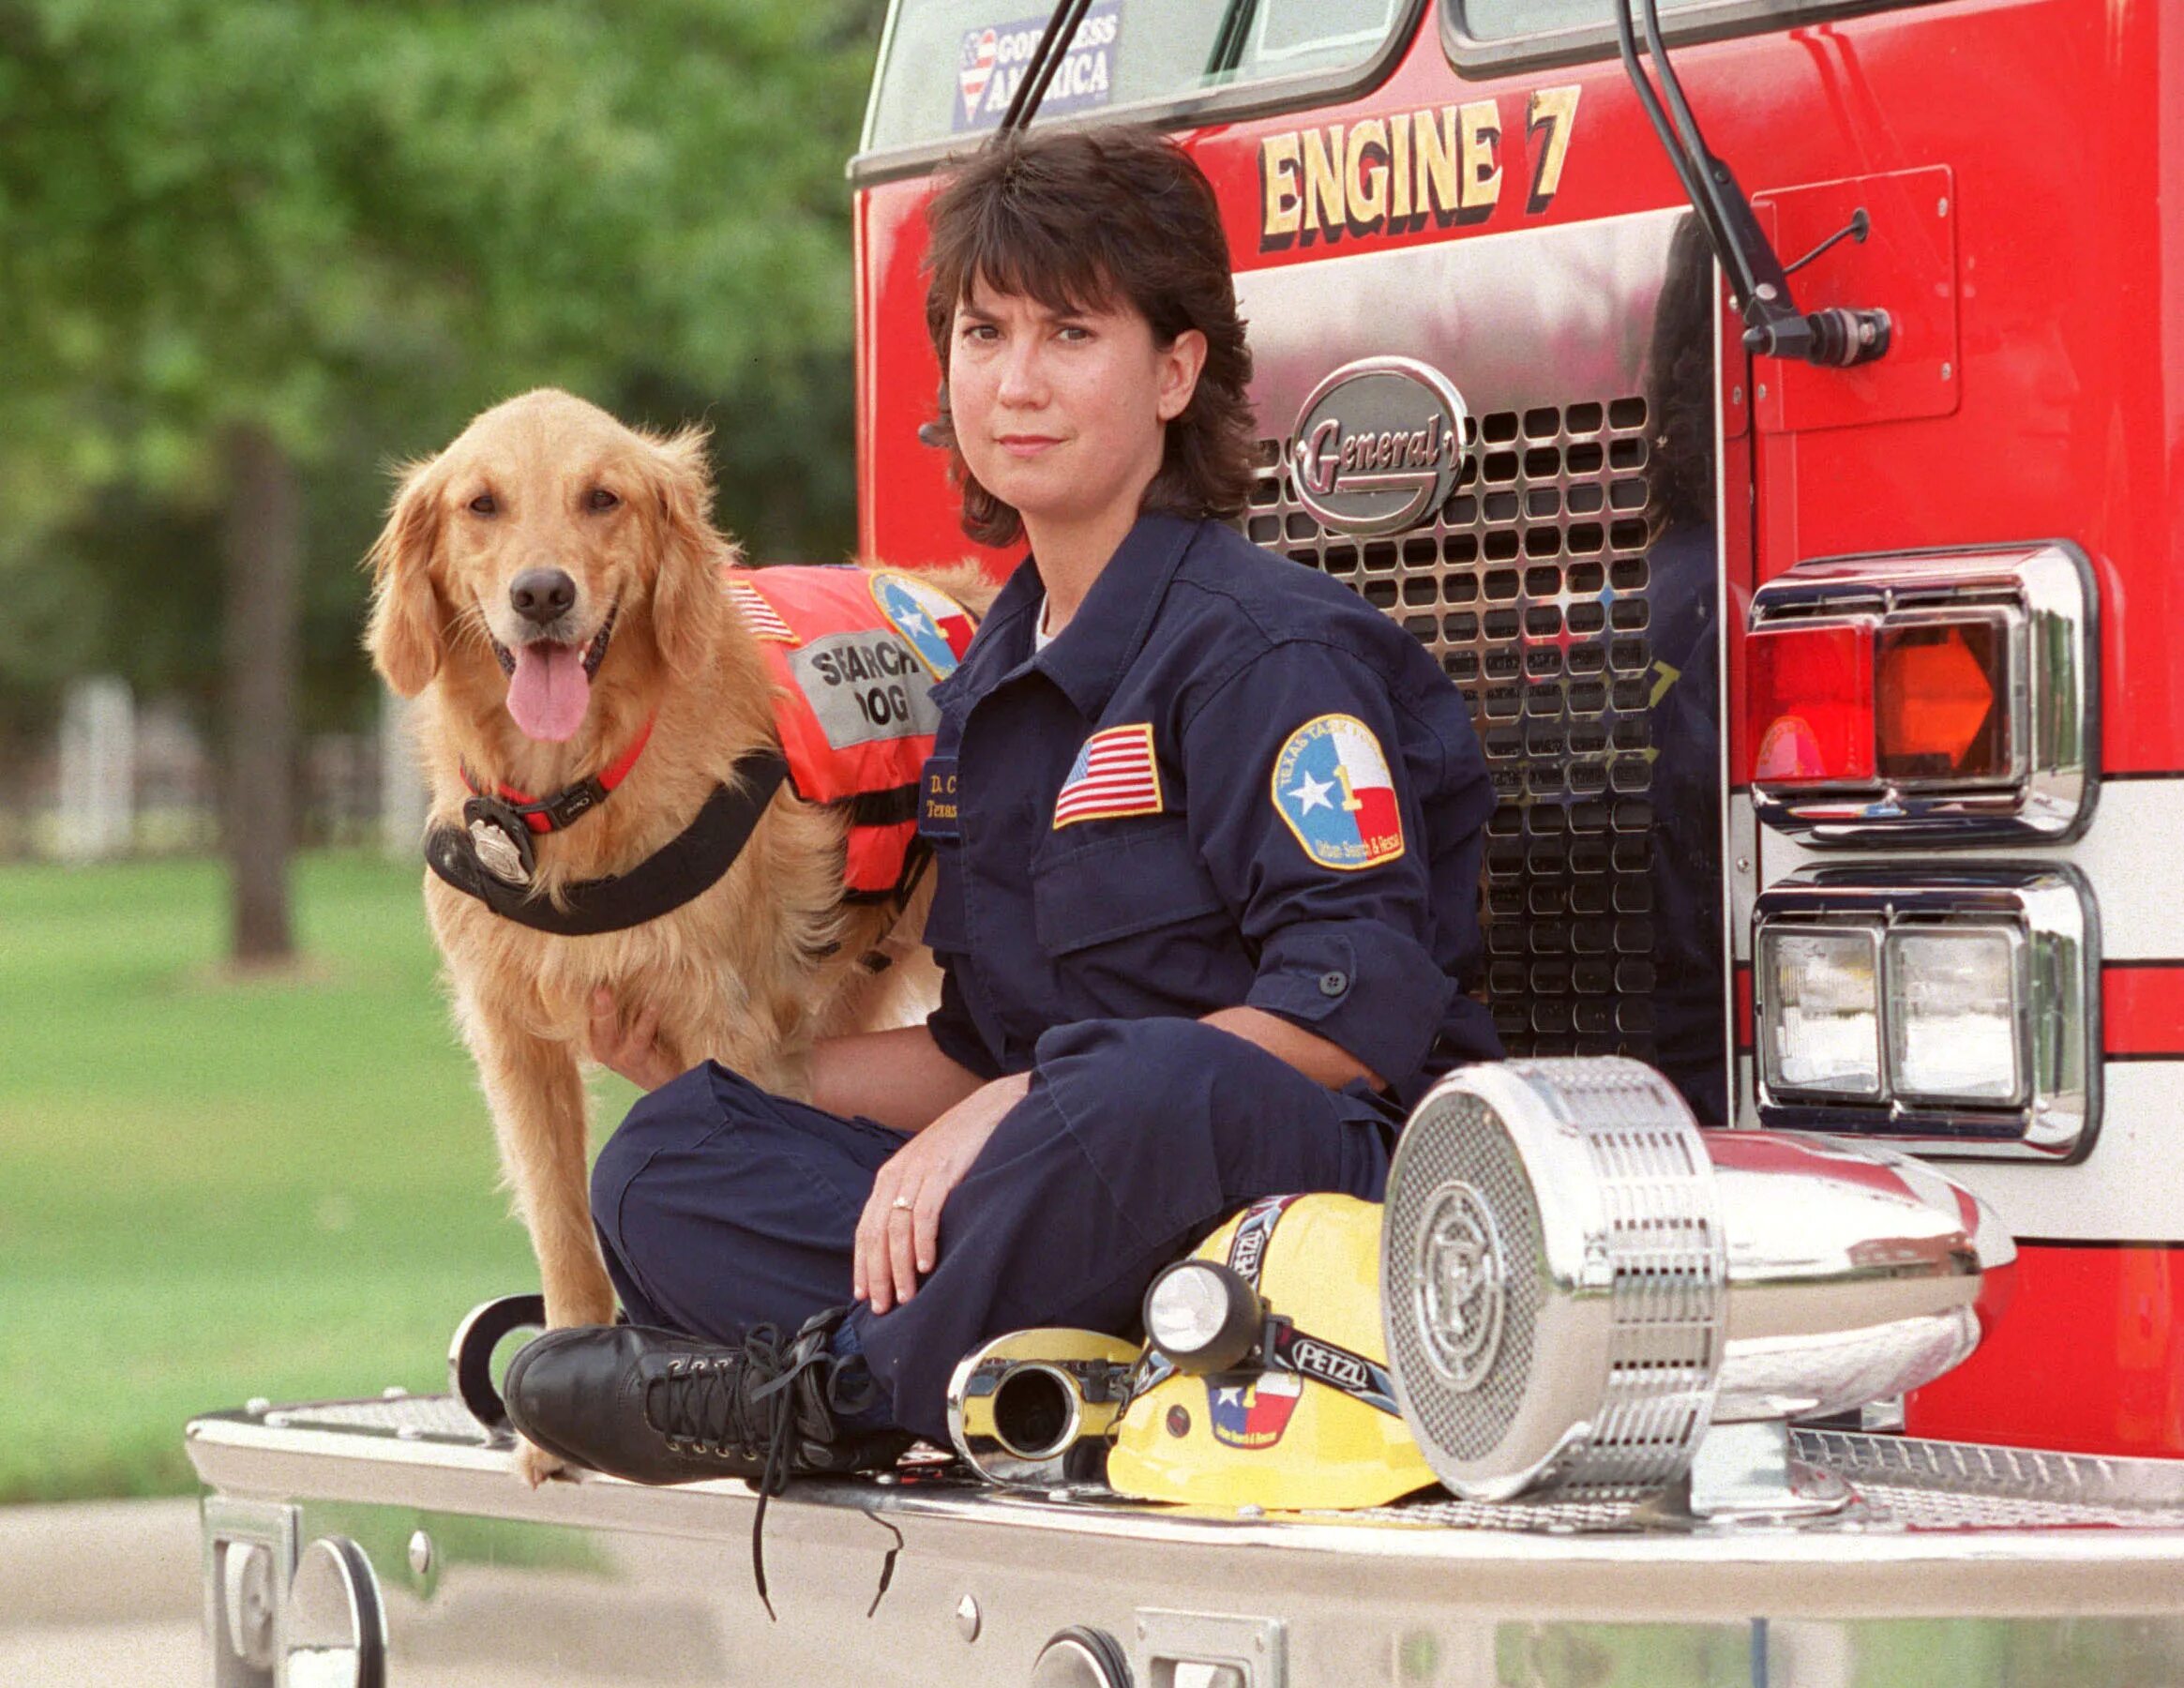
x=213, y=1189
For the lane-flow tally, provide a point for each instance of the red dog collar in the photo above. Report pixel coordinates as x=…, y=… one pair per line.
x=565, y=807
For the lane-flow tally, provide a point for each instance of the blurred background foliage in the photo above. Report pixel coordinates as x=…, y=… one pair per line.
x=253, y=253
x=344, y=229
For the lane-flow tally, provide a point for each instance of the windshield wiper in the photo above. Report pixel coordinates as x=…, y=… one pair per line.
x=1838, y=336
x=1046, y=59
x=1236, y=21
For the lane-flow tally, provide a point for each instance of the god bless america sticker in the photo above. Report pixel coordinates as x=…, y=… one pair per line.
x=990, y=62
x=1332, y=788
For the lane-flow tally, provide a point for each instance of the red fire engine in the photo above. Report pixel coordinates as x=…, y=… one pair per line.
x=1852, y=558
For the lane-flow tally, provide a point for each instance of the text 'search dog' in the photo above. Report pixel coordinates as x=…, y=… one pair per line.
x=651, y=770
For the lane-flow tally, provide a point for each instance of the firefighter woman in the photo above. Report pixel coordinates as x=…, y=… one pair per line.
x=1206, y=830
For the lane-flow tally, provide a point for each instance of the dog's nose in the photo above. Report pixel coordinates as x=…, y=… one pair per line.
x=542, y=595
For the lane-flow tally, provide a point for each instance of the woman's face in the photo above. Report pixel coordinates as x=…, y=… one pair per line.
x=1061, y=415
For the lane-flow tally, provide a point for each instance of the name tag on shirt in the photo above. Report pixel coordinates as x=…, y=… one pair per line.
x=937, y=816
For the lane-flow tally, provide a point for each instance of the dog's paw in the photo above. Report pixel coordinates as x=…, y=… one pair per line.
x=535, y=1465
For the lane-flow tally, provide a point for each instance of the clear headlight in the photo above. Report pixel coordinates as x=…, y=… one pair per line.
x=1820, y=1030
x=1988, y=1018
x=1953, y=998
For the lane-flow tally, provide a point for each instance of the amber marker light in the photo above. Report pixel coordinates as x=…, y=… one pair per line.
x=1940, y=685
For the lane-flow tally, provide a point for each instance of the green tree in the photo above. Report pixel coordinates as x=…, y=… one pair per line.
x=254, y=249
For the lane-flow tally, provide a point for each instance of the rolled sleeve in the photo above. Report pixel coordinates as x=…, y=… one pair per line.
x=1384, y=1011
x=1343, y=950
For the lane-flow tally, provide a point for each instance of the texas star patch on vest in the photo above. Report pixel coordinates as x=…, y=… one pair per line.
x=1114, y=774
x=937, y=627
x=1253, y=1415
x=1332, y=787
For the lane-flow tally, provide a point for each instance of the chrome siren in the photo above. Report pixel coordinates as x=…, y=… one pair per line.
x=1588, y=1297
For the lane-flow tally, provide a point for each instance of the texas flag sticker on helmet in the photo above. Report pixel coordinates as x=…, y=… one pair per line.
x=1332, y=787
x=1253, y=1415
x=937, y=627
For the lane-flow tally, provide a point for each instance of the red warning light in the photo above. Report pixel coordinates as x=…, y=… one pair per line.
x=1809, y=705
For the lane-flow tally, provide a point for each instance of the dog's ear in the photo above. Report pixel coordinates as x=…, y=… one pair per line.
x=406, y=637
x=686, y=552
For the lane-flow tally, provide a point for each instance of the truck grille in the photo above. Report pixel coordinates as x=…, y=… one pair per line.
x=1529, y=585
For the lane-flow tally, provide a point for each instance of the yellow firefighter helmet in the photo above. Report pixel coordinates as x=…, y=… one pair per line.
x=1264, y=1380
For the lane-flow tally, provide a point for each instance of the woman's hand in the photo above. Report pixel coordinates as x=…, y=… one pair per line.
x=898, y=1235
x=632, y=1050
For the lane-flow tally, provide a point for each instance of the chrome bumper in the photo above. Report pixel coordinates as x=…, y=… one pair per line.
x=1972, y=1561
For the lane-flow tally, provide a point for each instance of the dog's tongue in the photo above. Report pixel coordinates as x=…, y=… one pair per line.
x=548, y=691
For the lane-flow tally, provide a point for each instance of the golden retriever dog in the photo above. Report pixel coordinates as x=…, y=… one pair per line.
x=545, y=587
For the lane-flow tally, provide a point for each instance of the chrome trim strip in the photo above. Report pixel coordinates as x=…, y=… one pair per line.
x=2048, y=595
x=1737, y=864
x=1403, y=1554
x=872, y=91
x=2060, y=1018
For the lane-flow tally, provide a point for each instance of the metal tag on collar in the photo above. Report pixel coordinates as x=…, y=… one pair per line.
x=500, y=840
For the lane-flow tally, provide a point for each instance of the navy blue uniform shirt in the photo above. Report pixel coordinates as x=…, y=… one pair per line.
x=1229, y=780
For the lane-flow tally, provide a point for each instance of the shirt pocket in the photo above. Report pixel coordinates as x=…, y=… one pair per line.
x=1140, y=877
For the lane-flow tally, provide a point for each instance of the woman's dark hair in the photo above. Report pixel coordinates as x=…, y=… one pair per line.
x=1086, y=218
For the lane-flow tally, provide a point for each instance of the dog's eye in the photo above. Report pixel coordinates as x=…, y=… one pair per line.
x=600, y=499
x=483, y=504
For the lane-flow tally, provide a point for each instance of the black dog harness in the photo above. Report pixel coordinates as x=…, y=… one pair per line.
x=470, y=858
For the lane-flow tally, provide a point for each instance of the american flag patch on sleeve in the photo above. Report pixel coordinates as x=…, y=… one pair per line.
x=1114, y=774
x=759, y=616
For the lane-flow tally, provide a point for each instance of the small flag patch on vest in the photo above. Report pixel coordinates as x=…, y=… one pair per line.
x=759, y=615
x=1332, y=787
x=1114, y=774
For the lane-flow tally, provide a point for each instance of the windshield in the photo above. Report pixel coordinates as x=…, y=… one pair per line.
x=950, y=67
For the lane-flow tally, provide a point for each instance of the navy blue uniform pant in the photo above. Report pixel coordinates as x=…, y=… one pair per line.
x=722, y=1206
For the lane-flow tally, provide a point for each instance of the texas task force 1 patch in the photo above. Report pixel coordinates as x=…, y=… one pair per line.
x=936, y=626
x=1332, y=787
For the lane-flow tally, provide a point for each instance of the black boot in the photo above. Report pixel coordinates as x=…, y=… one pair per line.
x=656, y=1407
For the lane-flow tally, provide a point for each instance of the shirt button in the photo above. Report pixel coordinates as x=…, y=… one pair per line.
x=1334, y=983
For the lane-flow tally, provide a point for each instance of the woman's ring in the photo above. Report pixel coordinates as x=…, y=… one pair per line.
x=902, y=1204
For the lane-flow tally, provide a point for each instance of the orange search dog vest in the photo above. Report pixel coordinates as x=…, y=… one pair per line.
x=853, y=653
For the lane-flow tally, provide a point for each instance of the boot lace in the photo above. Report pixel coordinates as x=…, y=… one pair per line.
x=742, y=1404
